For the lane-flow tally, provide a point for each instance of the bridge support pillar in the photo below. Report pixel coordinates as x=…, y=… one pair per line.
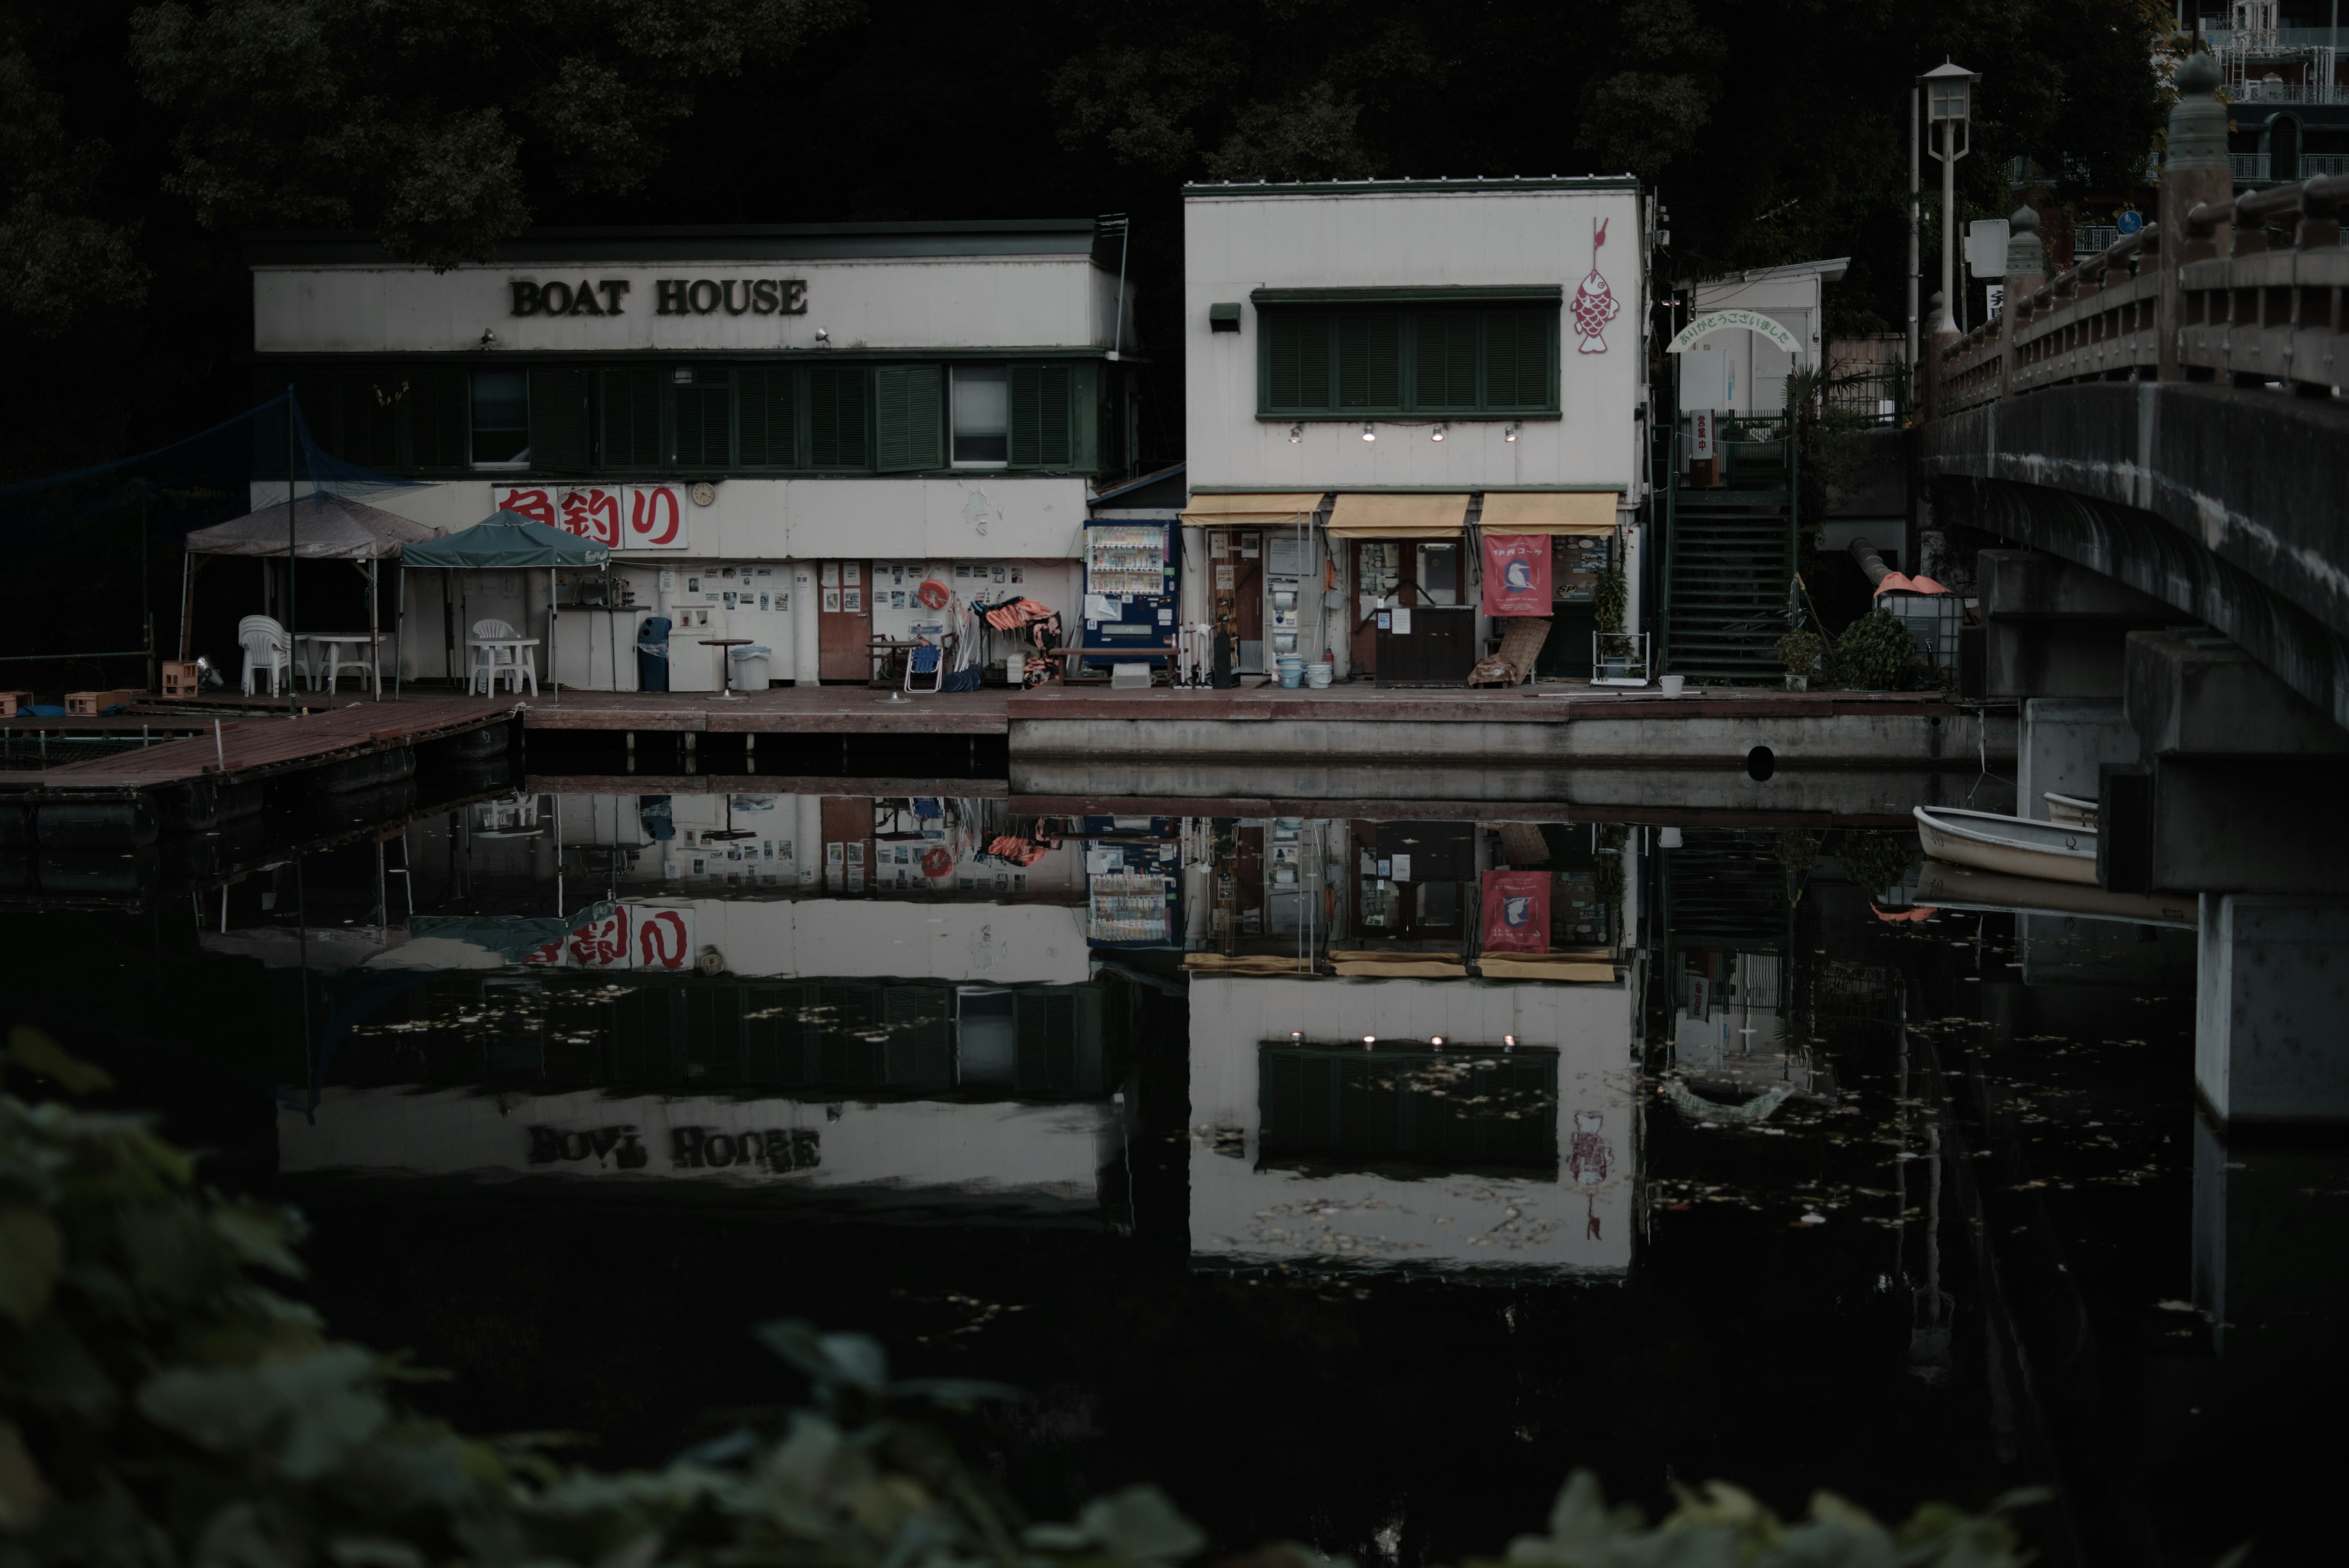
x=2239, y=781
x=2064, y=744
x=2272, y=1009
x=2055, y=629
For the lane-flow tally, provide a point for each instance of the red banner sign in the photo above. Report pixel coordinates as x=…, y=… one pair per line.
x=1516, y=912
x=1516, y=573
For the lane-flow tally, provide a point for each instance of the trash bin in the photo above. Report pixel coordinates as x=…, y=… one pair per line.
x=750, y=667
x=652, y=654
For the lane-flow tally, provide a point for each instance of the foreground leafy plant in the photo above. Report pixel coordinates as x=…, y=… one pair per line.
x=159, y=1406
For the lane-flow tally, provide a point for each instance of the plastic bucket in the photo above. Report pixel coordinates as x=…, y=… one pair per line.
x=1672, y=684
x=1319, y=673
x=1292, y=670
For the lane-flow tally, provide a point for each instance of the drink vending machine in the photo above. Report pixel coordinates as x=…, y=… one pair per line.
x=1130, y=590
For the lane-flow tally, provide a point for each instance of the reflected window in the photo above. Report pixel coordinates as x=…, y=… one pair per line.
x=1439, y=904
x=989, y=1047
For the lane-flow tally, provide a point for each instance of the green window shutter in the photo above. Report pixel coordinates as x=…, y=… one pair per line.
x=369, y=426
x=1370, y=360
x=1296, y=361
x=836, y=418
x=908, y=417
x=705, y=422
x=1445, y=378
x=629, y=405
x=1521, y=359
x=435, y=419
x=1087, y=412
x=1040, y=416
x=322, y=416
x=558, y=422
x=766, y=425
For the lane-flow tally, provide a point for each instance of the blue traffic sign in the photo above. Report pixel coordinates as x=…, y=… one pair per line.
x=2129, y=221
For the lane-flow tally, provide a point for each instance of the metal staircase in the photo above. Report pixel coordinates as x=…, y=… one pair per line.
x=1729, y=566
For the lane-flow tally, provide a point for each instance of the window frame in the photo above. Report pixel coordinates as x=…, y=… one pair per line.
x=1337, y=314
x=520, y=464
x=955, y=369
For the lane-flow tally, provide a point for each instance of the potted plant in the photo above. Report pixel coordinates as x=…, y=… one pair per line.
x=1803, y=653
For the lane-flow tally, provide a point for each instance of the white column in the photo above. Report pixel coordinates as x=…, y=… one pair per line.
x=807, y=836
x=807, y=650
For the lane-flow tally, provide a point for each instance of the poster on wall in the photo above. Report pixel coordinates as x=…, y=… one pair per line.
x=1516, y=912
x=1516, y=573
x=618, y=517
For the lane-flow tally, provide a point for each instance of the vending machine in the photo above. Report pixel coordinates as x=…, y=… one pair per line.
x=1133, y=890
x=1130, y=587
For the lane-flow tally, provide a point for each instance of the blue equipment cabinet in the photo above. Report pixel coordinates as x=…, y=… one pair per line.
x=1130, y=569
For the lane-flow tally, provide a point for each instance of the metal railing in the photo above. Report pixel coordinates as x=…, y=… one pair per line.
x=2287, y=40
x=2252, y=304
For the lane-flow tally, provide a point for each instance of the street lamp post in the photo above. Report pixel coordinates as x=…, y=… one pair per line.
x=1948, y=104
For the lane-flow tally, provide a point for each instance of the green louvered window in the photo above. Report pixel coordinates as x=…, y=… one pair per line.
x=705, y=419
x=1462, y=361
x=628, y=415
x=766, y=428
x=1040, y=416
x=909, y=419
x=837, y=423
x=435, y=419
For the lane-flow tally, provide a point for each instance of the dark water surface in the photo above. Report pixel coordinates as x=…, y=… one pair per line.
x=1787, y=1179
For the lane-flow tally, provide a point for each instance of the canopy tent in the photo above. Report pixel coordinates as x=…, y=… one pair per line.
x=321, y=528
x=505, y=542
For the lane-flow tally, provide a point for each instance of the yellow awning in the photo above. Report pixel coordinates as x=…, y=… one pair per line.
x=1398, y=516
x=1249, y=511
x=1549, y=512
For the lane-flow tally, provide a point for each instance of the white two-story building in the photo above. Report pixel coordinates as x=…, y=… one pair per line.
x=806, y=435
x=1383, y=376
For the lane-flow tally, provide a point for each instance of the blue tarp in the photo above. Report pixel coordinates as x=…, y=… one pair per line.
x=503, y=541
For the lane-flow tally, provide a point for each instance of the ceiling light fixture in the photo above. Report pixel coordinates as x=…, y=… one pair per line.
x=1511, y=433
x=1368, y=433
x=1296, y=433
x=1437, y=433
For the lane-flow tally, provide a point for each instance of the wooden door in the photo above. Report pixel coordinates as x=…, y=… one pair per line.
x=1440, y=647
x=847, y=843
x=844, y=622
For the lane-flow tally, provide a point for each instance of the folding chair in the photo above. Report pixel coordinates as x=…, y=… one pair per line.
x=928, y=660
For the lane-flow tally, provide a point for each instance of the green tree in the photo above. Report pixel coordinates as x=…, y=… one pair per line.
x=432, y=125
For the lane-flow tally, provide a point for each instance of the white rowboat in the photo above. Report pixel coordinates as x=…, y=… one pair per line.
x=2012, y=845
x=2069, y=810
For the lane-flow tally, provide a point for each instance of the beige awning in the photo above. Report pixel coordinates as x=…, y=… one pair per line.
x=1549, y=512
x=1249, y=511
x=1398, y=516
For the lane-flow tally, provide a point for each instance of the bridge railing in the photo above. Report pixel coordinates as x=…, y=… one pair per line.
x=2250, y=290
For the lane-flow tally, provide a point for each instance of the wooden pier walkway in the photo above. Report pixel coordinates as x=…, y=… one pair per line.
x=248, y=747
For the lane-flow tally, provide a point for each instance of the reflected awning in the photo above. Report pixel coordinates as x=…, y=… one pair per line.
x=1398, y=516
x=1549, y=512
x=1281, y=510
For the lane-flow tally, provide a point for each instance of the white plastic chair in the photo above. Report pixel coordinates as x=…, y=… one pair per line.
x=518, y=664
x=266, y=647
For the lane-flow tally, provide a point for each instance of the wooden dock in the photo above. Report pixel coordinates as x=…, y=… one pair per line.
x=249, y=747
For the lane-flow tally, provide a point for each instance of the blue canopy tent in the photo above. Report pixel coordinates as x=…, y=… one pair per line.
x=505, y=542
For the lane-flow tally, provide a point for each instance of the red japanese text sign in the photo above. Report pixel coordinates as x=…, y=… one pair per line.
x=1516, y=912
x=1516, y=573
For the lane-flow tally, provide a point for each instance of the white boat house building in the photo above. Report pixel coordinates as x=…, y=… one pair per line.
x=792, y=434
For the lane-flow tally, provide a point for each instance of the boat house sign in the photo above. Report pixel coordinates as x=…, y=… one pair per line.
x=671, y=296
